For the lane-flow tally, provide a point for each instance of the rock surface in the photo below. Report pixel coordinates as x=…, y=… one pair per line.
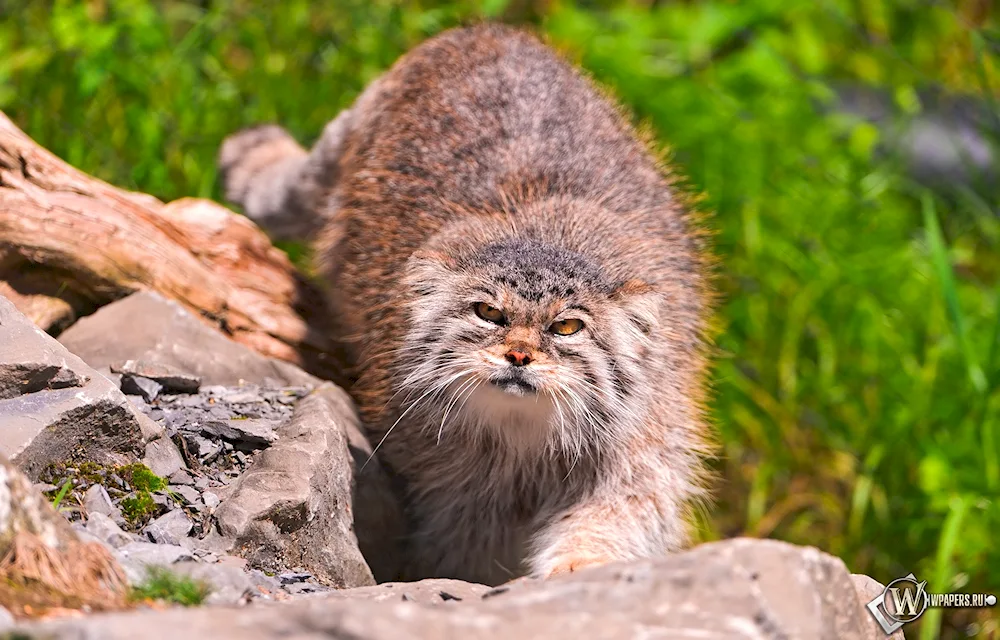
x=294, y=504
x=53, y=407
x=223, y=431
x=732, y=589
x=146, y=327
x=868, y=589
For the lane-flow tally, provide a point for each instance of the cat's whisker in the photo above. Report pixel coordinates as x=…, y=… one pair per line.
x=403, y=415
x=428, y=371
x=452, y=402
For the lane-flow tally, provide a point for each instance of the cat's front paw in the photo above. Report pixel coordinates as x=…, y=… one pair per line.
x=569, y=563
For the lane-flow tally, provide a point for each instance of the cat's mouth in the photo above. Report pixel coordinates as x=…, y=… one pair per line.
x=514, y=384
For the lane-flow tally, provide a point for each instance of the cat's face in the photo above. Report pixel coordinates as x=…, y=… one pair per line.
x=529, y=340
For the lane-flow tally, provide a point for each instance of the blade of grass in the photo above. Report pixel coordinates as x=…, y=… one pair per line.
x=62, y=494
x=930, y=622
x=991, y=454
x=942, y=264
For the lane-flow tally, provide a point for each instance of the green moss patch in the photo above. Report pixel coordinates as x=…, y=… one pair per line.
x=166, y=586
x=73, y=479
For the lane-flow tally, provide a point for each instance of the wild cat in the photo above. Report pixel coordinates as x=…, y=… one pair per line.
x=523, y=299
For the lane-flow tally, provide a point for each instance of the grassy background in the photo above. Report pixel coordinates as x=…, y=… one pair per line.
x=856, y=386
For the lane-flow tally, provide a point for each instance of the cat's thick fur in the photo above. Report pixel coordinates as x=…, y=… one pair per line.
x=483, y=169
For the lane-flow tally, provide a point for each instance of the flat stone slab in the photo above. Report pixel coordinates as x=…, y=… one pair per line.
x=254, y=432
x=54, y=407
x=172, y=379
x=734, y=589
x=147, y=328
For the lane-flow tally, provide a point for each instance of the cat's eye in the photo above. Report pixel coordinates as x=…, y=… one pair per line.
x=490, y=314
x=566, y=327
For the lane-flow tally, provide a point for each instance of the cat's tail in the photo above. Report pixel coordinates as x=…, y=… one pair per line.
x=281, y=186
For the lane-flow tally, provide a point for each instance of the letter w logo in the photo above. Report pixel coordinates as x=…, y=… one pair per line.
x=908, y=604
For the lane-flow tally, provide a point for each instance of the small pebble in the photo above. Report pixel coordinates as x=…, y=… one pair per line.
x=293, y=577
x=181, y=477
x=139, y=386
x=188, y=493
x=211, y=500
x=169, y=528
x=305, y=587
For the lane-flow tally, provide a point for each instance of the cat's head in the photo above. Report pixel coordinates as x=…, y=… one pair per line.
x=529, y=340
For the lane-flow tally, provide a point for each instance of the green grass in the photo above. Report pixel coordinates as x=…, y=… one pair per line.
x=57, y=500
x=859, y=329
x=166, y=586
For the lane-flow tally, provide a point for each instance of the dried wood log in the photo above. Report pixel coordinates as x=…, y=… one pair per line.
x=70, y=243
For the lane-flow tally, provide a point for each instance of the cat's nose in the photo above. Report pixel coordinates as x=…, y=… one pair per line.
x=518, y=358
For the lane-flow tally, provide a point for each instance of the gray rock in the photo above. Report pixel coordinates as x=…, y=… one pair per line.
x=210, y=499
x=868, y=589
x=172, y=379
x=264, y=584
x=19, y=378
x=107, y=530
x=181, y=477
x=206, y=556
x=245, y=396
x=430, y=591
x=53, y=407
x=137, y=557
x=947, y=145
x=291, y=577
x=147, y=327
x=164, y=500
x=188, y=493
x=163, y=458
x=206, y=450
x=213, y=543
x=739, y=589
x=301, y=588
x=233, y=561
x=169, y=528
x=84, y=535
x=228, y=585
x=97, y=500
x=253, y=432
x=148, y=389
x=295, y=500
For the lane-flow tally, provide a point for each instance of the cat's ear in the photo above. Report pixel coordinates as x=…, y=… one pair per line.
x=641, y=303
x=427, y=270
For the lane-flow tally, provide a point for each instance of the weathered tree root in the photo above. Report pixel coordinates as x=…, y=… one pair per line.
x=70, y=243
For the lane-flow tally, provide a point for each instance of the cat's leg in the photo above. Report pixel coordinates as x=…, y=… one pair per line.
x=626, y=518
x=281, y=186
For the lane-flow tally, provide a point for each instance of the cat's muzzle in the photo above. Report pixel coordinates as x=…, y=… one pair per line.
x=514, y=382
